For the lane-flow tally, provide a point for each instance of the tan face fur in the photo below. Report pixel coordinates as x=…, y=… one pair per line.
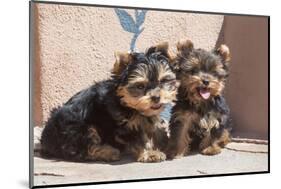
x=148, y=83
x=202, y=73
x=141, y=92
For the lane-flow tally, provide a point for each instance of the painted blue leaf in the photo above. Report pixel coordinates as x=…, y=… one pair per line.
x=166, y=114
x=140, y=17
x=126, y=21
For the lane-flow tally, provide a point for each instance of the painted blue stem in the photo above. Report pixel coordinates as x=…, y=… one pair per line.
x=131, y=25
x=134, y=26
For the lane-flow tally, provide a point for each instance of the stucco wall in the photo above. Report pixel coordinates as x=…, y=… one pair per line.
x=76, y=45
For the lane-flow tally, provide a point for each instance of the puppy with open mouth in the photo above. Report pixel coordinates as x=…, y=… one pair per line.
x=121, y=114
x=200, y=118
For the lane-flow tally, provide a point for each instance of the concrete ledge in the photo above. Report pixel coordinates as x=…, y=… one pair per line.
x=235, y=158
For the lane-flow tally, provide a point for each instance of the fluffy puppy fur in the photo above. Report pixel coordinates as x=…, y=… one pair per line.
x=117, y=115
x=200, y=118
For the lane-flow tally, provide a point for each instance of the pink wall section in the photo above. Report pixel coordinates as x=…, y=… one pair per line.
x=75, y=45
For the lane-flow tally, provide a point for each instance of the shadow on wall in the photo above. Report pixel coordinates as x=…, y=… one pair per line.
x=247, y=87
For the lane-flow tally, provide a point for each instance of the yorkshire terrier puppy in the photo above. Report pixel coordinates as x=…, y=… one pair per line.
x=117, y=115
x=200, y=118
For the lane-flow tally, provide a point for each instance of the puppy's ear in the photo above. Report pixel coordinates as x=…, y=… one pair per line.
x=122, y=60
x=163, y=48
x=184, y=47
x=224, y=53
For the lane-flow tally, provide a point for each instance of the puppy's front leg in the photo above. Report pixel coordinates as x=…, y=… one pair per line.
x=179, y=142
x=180, y=126
x=144, y=151
x=209, y=145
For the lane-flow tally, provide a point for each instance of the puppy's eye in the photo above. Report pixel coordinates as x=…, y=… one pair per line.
x=140, y=86
x=163, y=61
x=221, y=74
x=193, y=72
x=167, y=79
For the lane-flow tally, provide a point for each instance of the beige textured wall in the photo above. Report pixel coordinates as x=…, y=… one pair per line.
x=77, y=44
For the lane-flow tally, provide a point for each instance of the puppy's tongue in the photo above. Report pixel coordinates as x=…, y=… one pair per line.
x=205, y=93
x=156, y=106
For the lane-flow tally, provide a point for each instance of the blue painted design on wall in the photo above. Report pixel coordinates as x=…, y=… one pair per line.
x=166, y=114
x=135, y=26
x=132, y=25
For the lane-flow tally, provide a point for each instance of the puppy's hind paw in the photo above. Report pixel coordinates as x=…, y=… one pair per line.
x=103, y=153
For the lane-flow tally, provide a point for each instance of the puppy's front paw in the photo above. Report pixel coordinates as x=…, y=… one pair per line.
x=211, y=150
x=149, y=156
x=214, y=123
x=176, y=155
x=171, y=155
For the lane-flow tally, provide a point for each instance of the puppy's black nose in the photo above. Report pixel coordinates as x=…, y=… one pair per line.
x=205, y=82
x=155, y=99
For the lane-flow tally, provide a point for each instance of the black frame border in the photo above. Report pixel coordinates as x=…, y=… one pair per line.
x=31, y=134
